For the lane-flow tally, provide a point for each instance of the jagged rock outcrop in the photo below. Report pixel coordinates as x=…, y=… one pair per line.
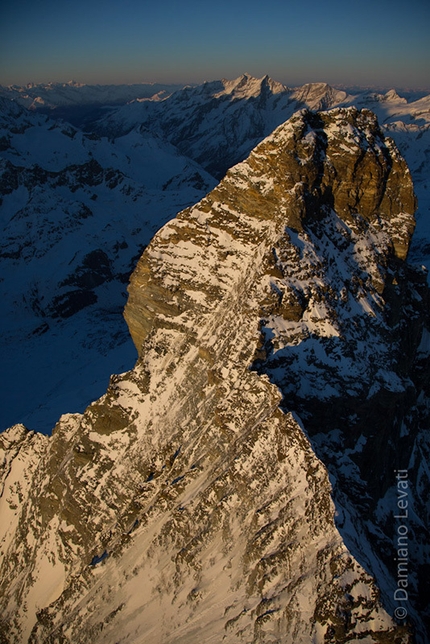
x=187, y=504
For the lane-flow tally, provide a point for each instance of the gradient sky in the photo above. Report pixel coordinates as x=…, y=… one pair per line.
x=372, y=42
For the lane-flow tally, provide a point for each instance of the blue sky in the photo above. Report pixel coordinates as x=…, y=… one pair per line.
x=371, y=42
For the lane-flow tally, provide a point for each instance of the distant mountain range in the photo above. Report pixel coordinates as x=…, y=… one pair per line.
x=53, y=95
x=78, y=103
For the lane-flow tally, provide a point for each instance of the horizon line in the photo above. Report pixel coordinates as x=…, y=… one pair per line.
x=342, y=86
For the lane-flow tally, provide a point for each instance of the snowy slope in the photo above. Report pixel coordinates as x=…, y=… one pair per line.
x=76, y=213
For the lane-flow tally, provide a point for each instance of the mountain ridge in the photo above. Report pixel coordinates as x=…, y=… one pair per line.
x=186, y=491
x=146, y=210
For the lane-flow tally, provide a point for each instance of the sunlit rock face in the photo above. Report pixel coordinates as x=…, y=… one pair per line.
x=188, y=504
x=314, y=164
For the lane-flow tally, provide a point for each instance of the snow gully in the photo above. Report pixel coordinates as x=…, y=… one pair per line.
x=401, y=594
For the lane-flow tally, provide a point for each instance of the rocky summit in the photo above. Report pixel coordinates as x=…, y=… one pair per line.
x=238, y=485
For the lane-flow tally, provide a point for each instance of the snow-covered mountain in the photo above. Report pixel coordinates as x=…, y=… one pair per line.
x=240, y=482
x=79, y=103
x=283, y=366
x=53, y=95
x=76, y=213
x=222, y=120
x=217, y=124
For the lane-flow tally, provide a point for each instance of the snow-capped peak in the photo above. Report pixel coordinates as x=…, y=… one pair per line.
x=246, y=86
